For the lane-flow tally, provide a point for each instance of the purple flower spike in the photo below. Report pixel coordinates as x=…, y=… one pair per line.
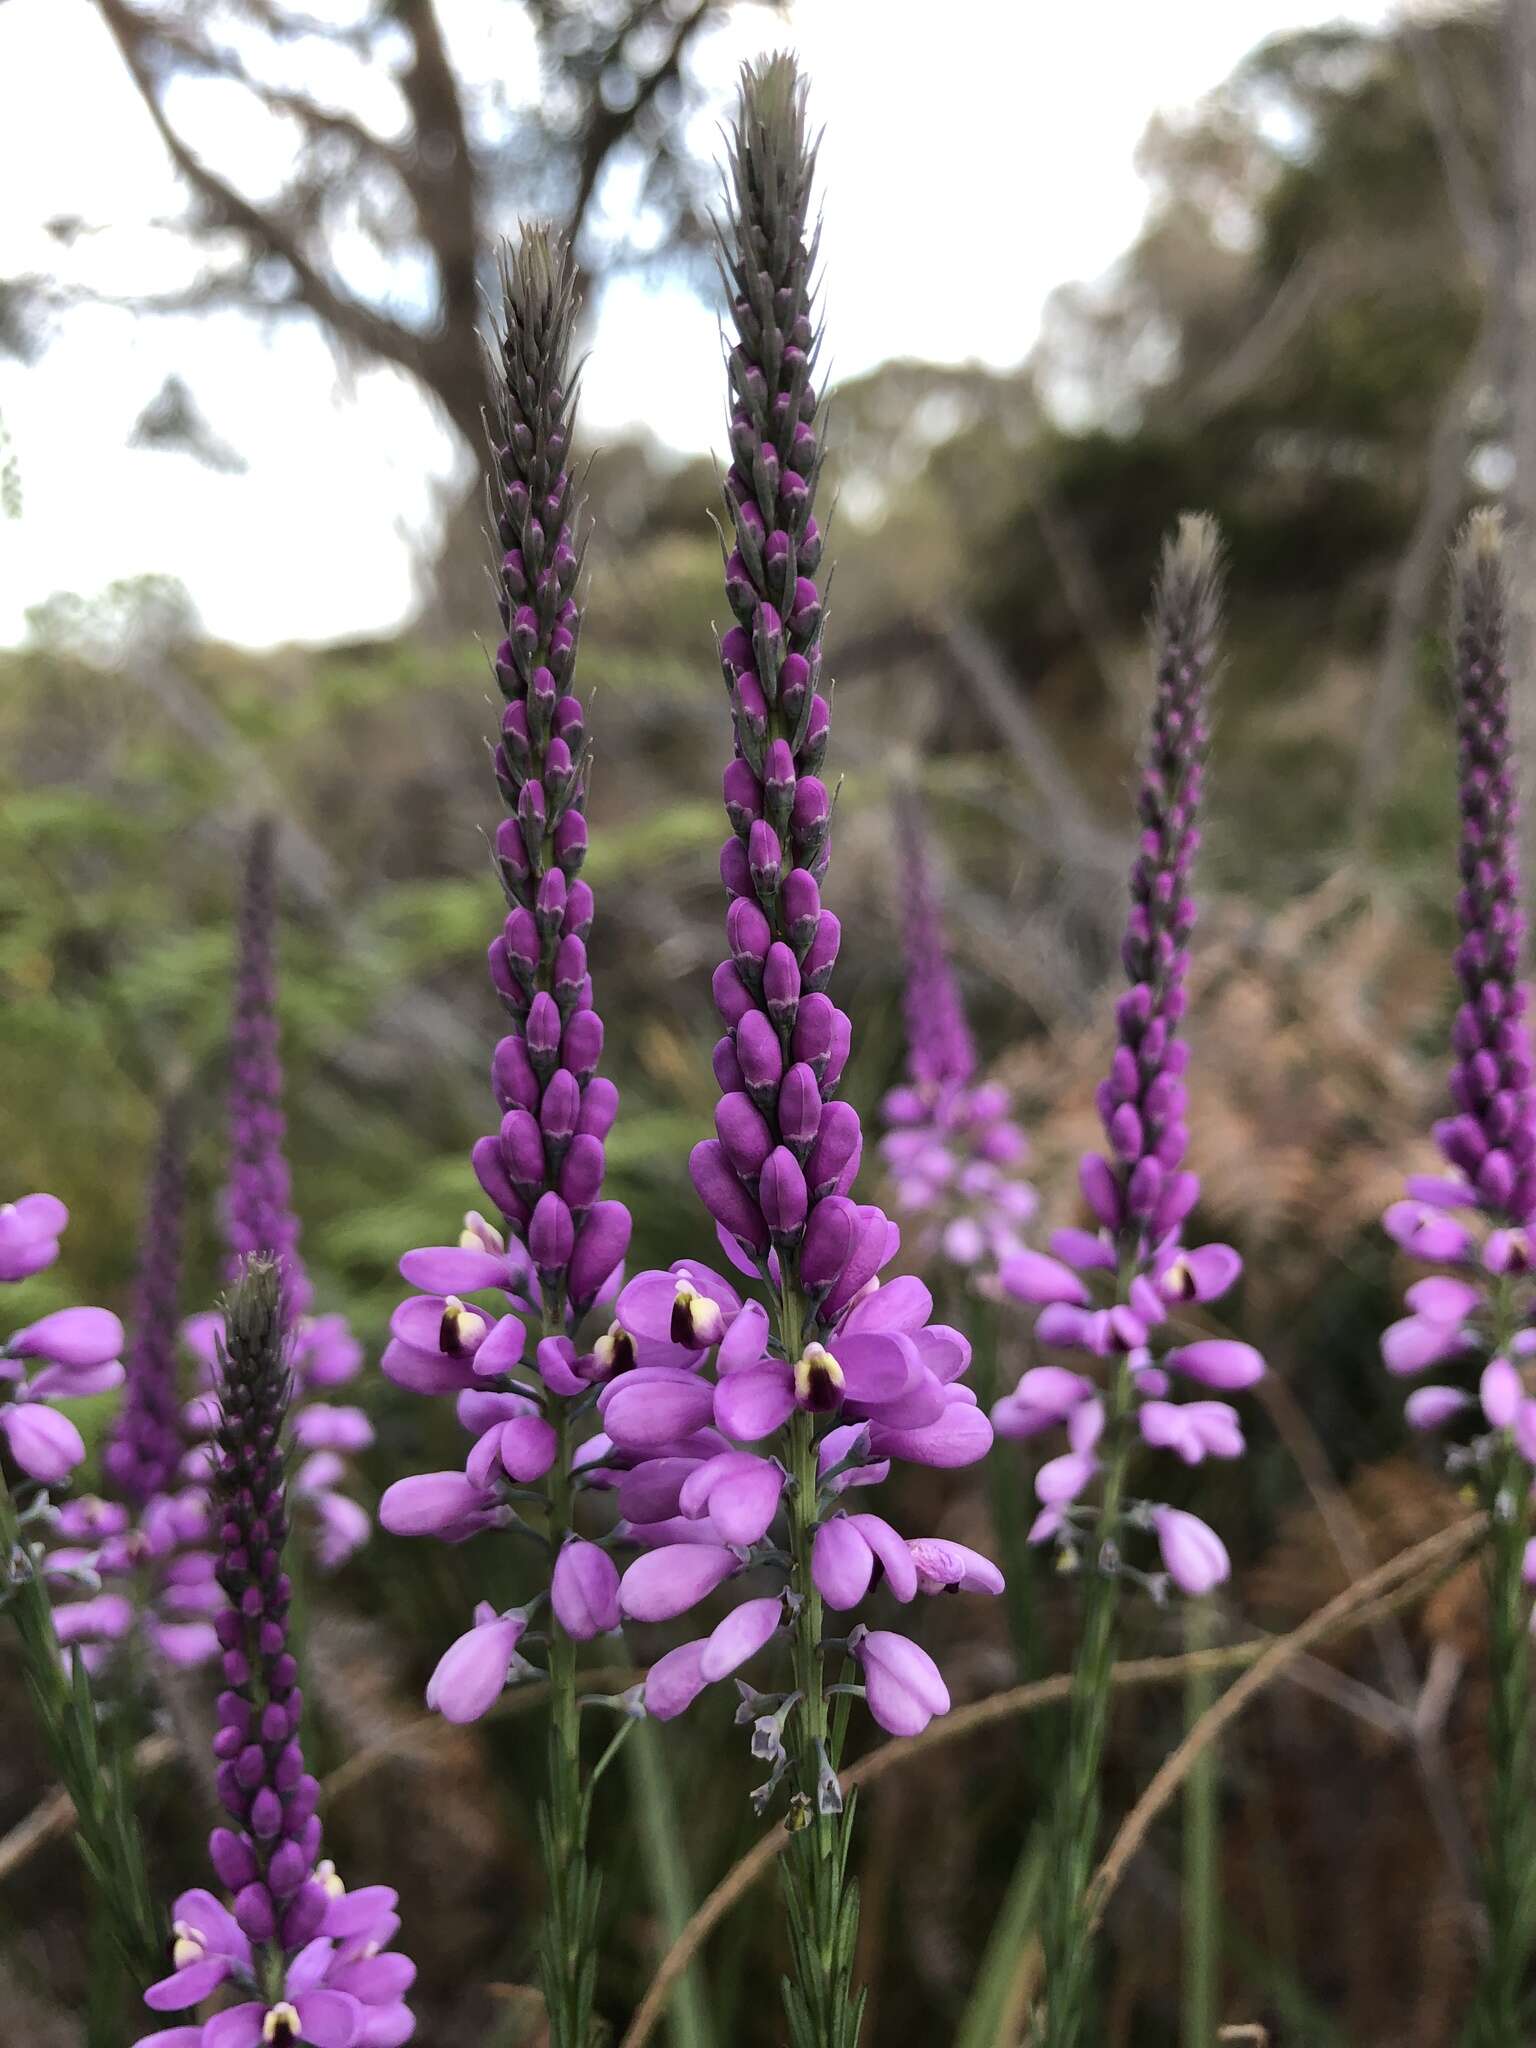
x=258, y=1214
x=499, y=1319
x=809, y=1391
x=1117, y=1296
x=284, y=1957
x=1473, y=1327
x=1479, y=1216
x=143, y=1455
x=951, y=1149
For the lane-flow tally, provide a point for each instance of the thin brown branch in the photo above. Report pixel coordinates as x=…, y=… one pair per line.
x=1436, y=1555
x=1400, y=1581
x=348, y=318
x=611, y=126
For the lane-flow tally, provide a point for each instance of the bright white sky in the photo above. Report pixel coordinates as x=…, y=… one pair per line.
x=996, y=136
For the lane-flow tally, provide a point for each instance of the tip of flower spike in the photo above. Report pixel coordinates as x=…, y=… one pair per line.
x=253, y=1349
x=539, y=301
x=1478, y=570
x=772, y=147
x=538, y=272
x=773, y=92
x=1187, y=596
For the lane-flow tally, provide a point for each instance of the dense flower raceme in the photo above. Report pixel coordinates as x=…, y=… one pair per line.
x=844, y=1374
x=143, y=1555
x=72, y=1352
x=293, y=1956
x=1116, y=1295
x=952, y=1149
x=881, y=1382
x=1472, y=1326
x=259, y=1218
x=560, y=1246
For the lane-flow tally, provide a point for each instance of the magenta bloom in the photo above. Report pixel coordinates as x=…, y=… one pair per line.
x=71, y=1353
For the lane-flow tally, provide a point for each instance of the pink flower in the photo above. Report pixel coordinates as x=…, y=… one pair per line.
x=1193, y=1554
x=471, y=1672
x=902, y=1683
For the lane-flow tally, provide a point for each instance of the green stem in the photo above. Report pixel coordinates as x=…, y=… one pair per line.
x=1068, y=1945
x=1501, y=2002
x=1202, y=1898
x=567, y=1945
x=672, y=1894
x=822, y=1904
x=107, y=1835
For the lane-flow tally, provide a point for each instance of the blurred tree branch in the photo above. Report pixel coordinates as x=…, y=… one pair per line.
x=422, y=199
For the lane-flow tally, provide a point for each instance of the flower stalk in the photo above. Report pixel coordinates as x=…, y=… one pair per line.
x=1116, y=1296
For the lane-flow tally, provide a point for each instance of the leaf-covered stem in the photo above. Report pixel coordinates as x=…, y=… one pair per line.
x=1502, y=2004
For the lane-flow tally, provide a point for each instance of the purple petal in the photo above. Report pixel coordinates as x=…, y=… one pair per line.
x=471, y=1673
x=1044, y=1397
x=501, y=1348
x=842, y=1564
x=76, y=1382
x=431, y=1504
x=1500, y=1391
x=376, y=1980
x=45, y=1444
x=876, y=1368
x=752, y=1404
x=945, y=1352
x=425, y=1372
x=1193, y=1554
x=669, y=1581
x=892, y=1553
x=239, y=2027
x=643, y=1415
x=652, y=1491
x=309, y=1966
x=740, y=1494
x=1430, y=1407
x=675, y=1681
x=1032, y=1277
x=953, y=1567
x=902, y=1683
x=746, y=1342
x=1063, y=1479
x=453, y=1269
x=961, y=1436
x=190, y=1985
x=215, y=1926
x=71, y=1336
x=740, y=1636
x=529, y=1447
x=1218, y=1362
x=902, y=1305
x=359, y=1912
x=330, y=2018
x=584, y=1591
